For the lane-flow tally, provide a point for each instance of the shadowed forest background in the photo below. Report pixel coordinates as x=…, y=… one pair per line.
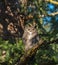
x=14, y=16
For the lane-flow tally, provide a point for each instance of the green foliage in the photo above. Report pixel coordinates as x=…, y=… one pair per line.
x=9, y=52
x=47, y=54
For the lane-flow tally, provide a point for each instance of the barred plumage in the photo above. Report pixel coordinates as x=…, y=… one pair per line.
x=30, y=36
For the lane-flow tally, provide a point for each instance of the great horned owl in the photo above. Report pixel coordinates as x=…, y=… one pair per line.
x=30, y=36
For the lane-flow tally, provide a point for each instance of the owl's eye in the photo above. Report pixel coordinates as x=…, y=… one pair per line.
x=35, y=27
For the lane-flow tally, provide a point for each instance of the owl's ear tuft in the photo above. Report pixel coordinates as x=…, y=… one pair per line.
x=34, y=24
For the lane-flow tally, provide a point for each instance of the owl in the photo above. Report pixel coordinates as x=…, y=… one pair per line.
x=30, y=36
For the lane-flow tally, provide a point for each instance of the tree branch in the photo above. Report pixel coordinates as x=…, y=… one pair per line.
x=41, y=16
x=53, y=2
x=53, y=41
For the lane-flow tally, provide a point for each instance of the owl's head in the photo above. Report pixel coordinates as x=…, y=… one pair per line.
x=30, y=28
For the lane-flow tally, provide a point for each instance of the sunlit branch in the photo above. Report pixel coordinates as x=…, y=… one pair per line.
x=52, y=14
x=41, y=16
x=53, y=2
